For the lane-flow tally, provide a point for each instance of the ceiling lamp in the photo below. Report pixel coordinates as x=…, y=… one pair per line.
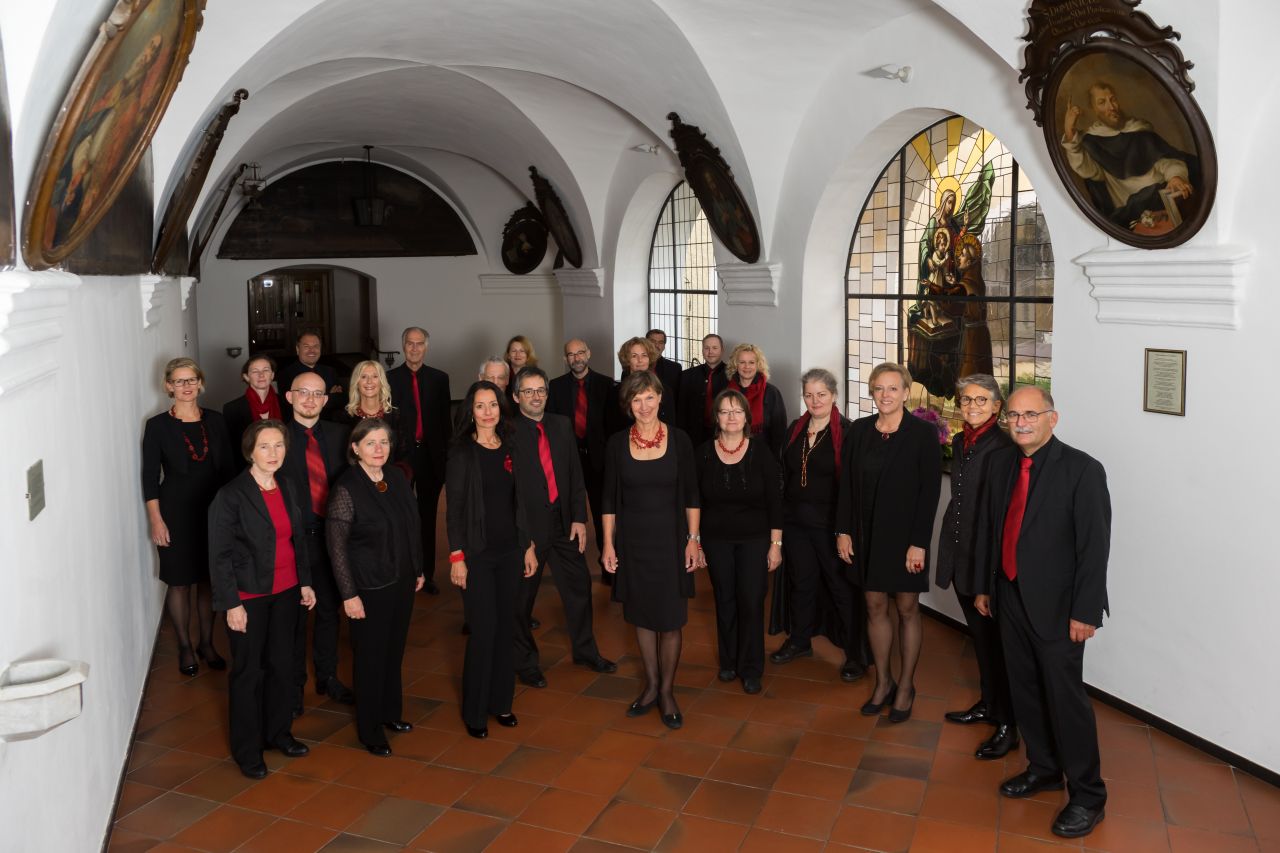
x=370, y=210
x=253, y=185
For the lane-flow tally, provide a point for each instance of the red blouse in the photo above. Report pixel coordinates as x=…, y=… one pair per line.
x=286, y=568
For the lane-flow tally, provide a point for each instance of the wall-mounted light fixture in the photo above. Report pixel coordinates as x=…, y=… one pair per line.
x=646, y=149
x=901, y=73
x=234, y=352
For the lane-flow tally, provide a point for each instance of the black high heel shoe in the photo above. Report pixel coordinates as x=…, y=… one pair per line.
x=639, y=709
x=901, y=716
x=675, y=719
x=214, y=660
x=187, y=668
x=872, y=709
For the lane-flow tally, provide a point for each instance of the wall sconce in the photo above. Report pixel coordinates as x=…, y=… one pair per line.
x=901, y=73
x=234, y=352
x=646, y=149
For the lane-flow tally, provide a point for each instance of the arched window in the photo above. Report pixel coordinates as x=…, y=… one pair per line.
x=950, y=271
x=682, y=277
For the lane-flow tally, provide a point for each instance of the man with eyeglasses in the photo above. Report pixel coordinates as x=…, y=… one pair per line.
x=1047, y=515
x=549, y=478
x=699, y=385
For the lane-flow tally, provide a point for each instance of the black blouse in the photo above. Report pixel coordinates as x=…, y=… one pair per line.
x=499, y=490
x=373, y=536
x=813, y=503
x=740, y=501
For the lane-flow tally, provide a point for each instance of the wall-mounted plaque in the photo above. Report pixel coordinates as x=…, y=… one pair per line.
x=1164, y=381
x=556, y=218
x=524, y=240
x=711, y=180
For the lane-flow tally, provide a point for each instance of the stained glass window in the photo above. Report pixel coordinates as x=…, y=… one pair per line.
x=682, y=277
x=950, y=271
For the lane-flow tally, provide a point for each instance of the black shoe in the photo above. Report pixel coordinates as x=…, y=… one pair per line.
x=727, y=674
x=1027, y=783
x=213, y=660
x=254, y=771
x=751, y=684
x=532, y=677
x=291, y=746
x=534, y=624
x=187, y=668
x=999, y=744
x=852, y=671
x=430, y=588
x=399, y=726
x=787, y=653
x=1075, y=821
x=873, y=709
x=600, y=664
x=639, y=709
x=480, y=733
x=382, y=750
x=673, y=721
x=336, y=690
x=507, y=720
x=978, y=713
x=902, y=715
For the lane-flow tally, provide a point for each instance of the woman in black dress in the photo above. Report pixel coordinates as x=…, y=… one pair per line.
x=376, y=551
x=980, y=403
x=741, y=535
x=651, y=521
x=888, y=501
x=186, y=457
x=489, y=551
x=748, y=372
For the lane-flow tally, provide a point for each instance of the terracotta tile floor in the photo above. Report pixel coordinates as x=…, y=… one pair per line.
x=795, y=768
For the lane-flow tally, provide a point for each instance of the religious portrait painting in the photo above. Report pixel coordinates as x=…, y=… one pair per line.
x=106, y=122
x=712, y=182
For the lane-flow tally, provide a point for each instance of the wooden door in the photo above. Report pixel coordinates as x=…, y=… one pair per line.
x=285, y=303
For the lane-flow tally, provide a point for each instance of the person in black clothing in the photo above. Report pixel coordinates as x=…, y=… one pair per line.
x=549, y=478
x=813, y=592
x=308, y=348
x=421, y=394
x=668, y=370
x=186, y=458
x=489, y=544
x=370, y=397
x=741, y=535
x=318, y=457
x=748, y=372
x=980, y=401
x=699, y=385
x=635, y=355
x=651, y=537
x=259, y=565
x=888, y=500
x=259, y=402
x=376, y=550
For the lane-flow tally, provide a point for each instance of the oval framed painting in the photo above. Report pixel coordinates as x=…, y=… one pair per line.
x=106, y=122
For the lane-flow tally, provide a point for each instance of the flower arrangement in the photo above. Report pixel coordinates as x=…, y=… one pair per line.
x=940, y=425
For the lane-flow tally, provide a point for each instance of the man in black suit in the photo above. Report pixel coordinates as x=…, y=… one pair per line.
x=308, y=347
x=549, y=477
x=317, y=455
x=588, y=400
x=668, y=371
x=1047, y=533
x=421, y=393
x=699, y=385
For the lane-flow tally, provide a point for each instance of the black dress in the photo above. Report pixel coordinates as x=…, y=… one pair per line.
x=648, y=538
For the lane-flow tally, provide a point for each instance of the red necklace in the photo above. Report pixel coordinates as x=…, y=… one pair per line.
x=720, y=444
x=644, y=444
x=191, y=448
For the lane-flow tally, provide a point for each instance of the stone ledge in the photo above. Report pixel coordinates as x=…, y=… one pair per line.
x=33, y=306
x=581, y=282
x=502, y=284
x=1185, y=286
x=750, y=284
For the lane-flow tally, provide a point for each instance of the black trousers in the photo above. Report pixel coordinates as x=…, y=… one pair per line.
x=594, y=480
x=739, y=579
x=324, y=637
x=427, y=485
x=823, y=598
x=489, y=604
x=1046, y=680
x=377, y=645
x=260, y=685
x=993, y=676
x=573, y=582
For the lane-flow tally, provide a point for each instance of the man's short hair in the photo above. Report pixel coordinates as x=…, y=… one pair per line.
x=714, y=335
x=405, y=334
x=656, y=332
x=495, y=359
x=531, y=372
x=311, y=332
x=1100, y=85
x=1045, y=396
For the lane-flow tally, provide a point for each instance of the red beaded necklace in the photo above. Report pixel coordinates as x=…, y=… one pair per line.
x=191, y=448
x=645, y=444
x=735, y=450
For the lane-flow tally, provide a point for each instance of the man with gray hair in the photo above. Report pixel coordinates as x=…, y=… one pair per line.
x=496, y=370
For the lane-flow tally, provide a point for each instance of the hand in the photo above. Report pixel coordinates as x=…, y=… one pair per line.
x=691, y=551
x=609, y=558
x=238, y=619
x=915, y=560
x=160, y=533
x=458, y=574
x=1080, y=631
x=775, y=557
x=308, y=597
x=336, y=389
x=844, y=547
x=702, y=558
x=354, y=607
x=982, y=604
x=1178, y=186
x=422, y=581
x=531, y=561
x=1069, y=121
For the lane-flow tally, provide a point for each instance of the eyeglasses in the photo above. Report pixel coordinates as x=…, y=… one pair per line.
x=974, y=401
x=1028, y=417
x=304, y=393
x=533, y=392
x=185, y=383
x=731, y=413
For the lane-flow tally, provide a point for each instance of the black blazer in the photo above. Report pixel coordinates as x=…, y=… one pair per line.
x=602, y=403
x=242, y=540
x=693, y=399
x=969, y=485
x=433, y=400
x=669, y=372
x=370, y=538
x=464, y=498
x=906, y=498
x=164, y=450
x=332, y=439
x=532, y=482
x=1065, y=539
x=774, y=430
x=237, y=415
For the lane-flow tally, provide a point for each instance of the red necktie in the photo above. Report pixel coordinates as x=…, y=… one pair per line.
x=544, y=454
x=580, y=411
x=316, y=474
x=417, y=408
x=1013, y=520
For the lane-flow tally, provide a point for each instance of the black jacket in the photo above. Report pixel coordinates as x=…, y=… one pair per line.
x=433, y=400
x=1065, y=538
x=372, y=540
x=532, y=482
x=774, y=431
x=242, y=540
x=669, y=372
x=602, y=406
x=969, y=485
x=163, y=450
x=464, y=498
x=691, y=416
x=332, y=439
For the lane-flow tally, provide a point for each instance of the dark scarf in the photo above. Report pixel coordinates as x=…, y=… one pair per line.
x=260, y=409
x=836, y=425
x=755, y=398
x=972, y=434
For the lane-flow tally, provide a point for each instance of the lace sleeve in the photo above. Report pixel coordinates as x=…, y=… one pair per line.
x=341, y=513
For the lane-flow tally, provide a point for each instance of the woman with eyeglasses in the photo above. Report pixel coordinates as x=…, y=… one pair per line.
x=980, y=402
x=741, y=535
x=186, y=457
x=888, y=501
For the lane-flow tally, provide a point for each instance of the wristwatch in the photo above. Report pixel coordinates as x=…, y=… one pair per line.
x=777, y=542
x=695, y=537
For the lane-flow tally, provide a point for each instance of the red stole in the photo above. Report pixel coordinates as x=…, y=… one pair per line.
x=972, y=434
x=755, y=398
x=835, y=424
x=260, y=409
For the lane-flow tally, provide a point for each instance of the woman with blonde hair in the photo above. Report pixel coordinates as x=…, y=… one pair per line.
x=748, y=372
x=520, y=354
x=638, y=354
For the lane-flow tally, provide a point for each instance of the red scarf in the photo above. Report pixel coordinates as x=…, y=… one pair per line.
x=972, y=434
x=837, y=431
x=755, y=398
x=260, y=409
